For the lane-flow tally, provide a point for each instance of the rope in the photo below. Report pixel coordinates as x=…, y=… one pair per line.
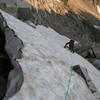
x=69, y=83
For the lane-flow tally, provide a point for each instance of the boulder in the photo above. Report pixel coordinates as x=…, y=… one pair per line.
x=96, y=50
x=24, y=13
x=82, y=49
x=95, y=62
x=84, y=74
x=10, y=69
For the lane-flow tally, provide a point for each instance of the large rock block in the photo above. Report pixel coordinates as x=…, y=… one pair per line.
x=95, y=62
x=97, y=52
x=12, y=46
x=24, y=13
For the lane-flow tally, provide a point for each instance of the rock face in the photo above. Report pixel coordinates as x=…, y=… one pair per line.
x=88, y=50
x=68, y=24
x=98, y=8
x=97, y=51
x=60, y=7
x=46, y=65
x=63, y=13
x=11, y=46
x=89, y=6
x=24, y=13
x=5, y=63
x=95, y=62
x=91, y=53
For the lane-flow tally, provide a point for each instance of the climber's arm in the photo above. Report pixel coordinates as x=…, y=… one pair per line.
x=66, y=44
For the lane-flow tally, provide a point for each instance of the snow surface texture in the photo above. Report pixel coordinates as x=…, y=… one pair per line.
x=46, y=65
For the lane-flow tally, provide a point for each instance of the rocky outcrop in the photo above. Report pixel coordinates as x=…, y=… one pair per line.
x=95, y=62
x=84, y=49
x=24, y=13
x=5, y=64
x=96, y=50
x=68, y=24
x=57, y=15
x=12, y=47
x=78, y=26
x=59, y=6
x=90, y=52
x=89, y=6
x=98, y=8
x=84, y=74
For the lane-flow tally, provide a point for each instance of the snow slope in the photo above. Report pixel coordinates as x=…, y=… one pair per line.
x=46, y=65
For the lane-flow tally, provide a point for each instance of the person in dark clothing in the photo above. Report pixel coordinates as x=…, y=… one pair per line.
x=71, y=45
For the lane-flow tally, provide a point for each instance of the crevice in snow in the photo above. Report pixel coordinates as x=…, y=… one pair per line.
x=10, y=46
x=84, y=74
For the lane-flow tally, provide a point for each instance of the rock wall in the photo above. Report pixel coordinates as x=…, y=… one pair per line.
x=13, y=46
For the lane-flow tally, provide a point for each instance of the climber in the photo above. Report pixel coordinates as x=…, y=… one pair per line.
x=71, y=45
